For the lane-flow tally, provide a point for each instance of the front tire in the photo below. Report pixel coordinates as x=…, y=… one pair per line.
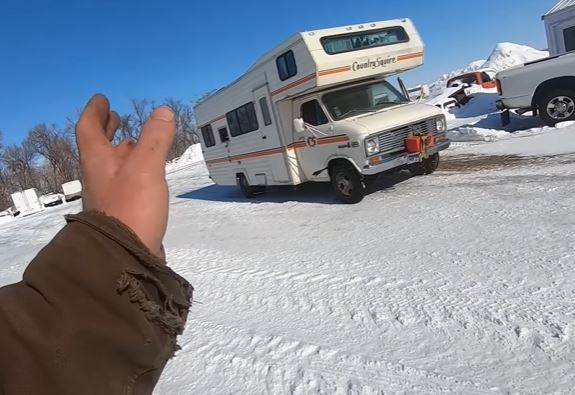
x=426, y=166
x=347, y=183
x=557, y=106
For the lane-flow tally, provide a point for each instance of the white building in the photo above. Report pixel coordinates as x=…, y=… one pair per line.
x=560, y=27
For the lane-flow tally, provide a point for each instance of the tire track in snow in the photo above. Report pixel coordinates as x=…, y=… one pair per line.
x=295, y=366
x=499, y=314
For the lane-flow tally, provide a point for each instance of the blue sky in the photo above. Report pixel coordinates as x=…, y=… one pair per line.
x=55, y=54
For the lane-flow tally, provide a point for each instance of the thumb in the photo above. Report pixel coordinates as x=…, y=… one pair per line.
x=156, y=139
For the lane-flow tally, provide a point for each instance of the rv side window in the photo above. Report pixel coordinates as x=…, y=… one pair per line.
x=208, y=136
x=265, y=111
x=287, y=67
x=362, y=40
x=223, y=132
x=242, y=120
x=312, y=113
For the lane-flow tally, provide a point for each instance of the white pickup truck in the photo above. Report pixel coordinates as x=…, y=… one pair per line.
x=545, y=86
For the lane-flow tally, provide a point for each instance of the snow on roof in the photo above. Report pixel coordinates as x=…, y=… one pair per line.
x=560, y=6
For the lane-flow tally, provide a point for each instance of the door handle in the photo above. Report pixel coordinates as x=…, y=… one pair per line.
x=264, y=137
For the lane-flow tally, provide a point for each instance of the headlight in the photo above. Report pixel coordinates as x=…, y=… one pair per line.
x=372, y=146
x=440, y=125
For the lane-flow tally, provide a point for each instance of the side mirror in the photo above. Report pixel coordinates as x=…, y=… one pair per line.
x=425, y=91
x=299, y=125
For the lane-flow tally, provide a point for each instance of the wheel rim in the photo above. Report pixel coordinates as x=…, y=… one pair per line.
x=561, y=107
x=344, y=184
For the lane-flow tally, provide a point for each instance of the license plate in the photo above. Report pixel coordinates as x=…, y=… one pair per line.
x=413, y=159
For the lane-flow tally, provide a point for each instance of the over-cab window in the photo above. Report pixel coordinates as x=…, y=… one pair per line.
x=242, y=120
x=312, y=113
x=362, y=40
x=208, y=136
x=286, y=65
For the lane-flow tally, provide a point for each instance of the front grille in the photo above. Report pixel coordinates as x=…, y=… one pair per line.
x=394, y=140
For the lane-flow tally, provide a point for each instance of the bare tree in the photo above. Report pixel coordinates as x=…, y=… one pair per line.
x=18, y=162
x=185, y=127
x=58, y=149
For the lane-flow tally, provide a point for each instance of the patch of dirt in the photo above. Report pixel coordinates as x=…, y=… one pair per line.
x=468, y=163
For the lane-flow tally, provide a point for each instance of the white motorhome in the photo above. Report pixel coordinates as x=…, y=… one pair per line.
x=319, y=108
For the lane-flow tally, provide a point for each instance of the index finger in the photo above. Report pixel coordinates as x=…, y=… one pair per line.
x=91, y=127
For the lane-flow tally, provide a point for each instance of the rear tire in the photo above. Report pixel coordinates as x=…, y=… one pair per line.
x=557, y=106
x=347, y=183
x=247, y=190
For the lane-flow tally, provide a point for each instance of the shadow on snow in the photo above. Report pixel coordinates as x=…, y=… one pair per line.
x=312, y=192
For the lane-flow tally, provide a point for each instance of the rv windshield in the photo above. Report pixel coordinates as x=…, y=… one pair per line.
x=362, y=99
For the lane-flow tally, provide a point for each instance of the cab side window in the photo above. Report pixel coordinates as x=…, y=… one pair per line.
x=312, y=113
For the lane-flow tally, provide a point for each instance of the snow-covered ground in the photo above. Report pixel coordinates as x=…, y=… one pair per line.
x=460, y=282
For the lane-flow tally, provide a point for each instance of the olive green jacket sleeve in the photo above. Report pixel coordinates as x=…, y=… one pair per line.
x=95, y=313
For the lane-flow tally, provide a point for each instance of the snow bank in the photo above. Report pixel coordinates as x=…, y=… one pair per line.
x=540, y=141
x=192, y=155
x=507, y=55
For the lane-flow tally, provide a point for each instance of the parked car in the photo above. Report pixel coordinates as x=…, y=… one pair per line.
x=52, y=199
x=485, y=78
x=545, y=87
x=10, y=212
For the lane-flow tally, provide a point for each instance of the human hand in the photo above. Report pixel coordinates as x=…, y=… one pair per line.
x=126, y=181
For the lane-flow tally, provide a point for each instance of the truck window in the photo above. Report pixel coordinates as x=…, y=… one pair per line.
x=485, y=77
x=208, y=136
x=287, y=67
x=265, y=111
x=312, y=113
x=569, y=37
x=362, y=40
x=242, y=120
x=223, y=132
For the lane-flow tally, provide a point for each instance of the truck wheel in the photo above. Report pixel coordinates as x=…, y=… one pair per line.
x=247, y=190
x=427, y=166
x=430, y=164
x=557, y=106
x=347, y=183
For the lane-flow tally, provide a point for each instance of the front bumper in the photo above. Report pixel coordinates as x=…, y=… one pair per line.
x=402, y=160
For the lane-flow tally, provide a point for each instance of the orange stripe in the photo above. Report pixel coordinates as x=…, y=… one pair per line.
x=334, y=71
x=294, y=84
x=333, y=140
x=275, y=151
x=258, y=154
x=297, y=145
x=410, y=56
x=215, y=161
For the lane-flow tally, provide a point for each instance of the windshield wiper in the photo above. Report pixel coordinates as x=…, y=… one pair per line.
x=362, y=110
x=382, y=103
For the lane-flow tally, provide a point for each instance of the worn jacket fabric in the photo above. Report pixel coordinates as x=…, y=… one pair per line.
x=95, y=313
